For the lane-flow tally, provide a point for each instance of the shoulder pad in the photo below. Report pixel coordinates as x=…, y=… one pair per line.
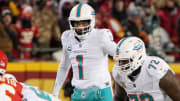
x=156, y=67
x=106, y=33
x=65, y=35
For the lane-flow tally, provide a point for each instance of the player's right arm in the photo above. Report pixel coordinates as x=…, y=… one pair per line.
x=120, y=93
x=62, y=70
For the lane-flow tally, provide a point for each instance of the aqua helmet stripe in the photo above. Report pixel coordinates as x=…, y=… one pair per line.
x=79, y=10
x=117, y=50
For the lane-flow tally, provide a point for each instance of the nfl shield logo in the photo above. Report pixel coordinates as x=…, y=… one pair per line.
x=69, y=48
x=83, y=94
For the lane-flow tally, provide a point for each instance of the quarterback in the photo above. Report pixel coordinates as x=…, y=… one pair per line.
x=139, y=77
x=86, y=49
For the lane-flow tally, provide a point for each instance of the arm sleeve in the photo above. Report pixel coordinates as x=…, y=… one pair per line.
x=61, y=73
x=107, y=42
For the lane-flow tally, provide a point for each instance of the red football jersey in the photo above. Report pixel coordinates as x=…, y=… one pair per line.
x=10, y=90
x=26, y=36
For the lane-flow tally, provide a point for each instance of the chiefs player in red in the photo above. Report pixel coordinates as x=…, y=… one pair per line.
x=10, y=90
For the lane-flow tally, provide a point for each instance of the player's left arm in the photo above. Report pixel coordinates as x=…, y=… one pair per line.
x=171, y=85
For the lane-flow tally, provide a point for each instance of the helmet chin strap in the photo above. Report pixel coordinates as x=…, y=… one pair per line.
x=134, y=74
x=77, y=39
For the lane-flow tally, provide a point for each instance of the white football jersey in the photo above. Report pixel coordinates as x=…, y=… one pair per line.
x=146, y=86
x=88, y=58
x=31, y=93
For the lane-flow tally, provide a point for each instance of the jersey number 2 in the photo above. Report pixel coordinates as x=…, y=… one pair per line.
x=79, y=59
x=151, y=65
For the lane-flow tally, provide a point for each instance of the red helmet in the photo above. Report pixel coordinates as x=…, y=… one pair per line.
x=3, y=62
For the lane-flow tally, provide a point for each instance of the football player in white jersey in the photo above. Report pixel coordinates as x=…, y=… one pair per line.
x=86, y=49
x=32, y=93
x=139, y=77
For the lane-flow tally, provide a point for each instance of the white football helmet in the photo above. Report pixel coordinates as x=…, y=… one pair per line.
x=129, y=54
x=82, y=12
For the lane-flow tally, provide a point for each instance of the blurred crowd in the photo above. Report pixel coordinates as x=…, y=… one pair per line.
x=31, y=29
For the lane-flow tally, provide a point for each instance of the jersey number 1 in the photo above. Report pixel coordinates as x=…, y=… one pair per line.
x=79, y=59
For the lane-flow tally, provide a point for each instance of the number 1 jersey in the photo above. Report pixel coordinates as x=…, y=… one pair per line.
x=89, y=57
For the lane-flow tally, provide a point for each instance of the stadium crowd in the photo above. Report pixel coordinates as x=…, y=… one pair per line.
x=31, y=29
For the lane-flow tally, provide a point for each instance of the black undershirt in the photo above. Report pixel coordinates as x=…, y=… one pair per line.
x=134, y=74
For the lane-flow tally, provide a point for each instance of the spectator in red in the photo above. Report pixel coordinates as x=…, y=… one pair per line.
x=168, y=12
x=27, y=32
x=105, y=20
x=103, y=16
